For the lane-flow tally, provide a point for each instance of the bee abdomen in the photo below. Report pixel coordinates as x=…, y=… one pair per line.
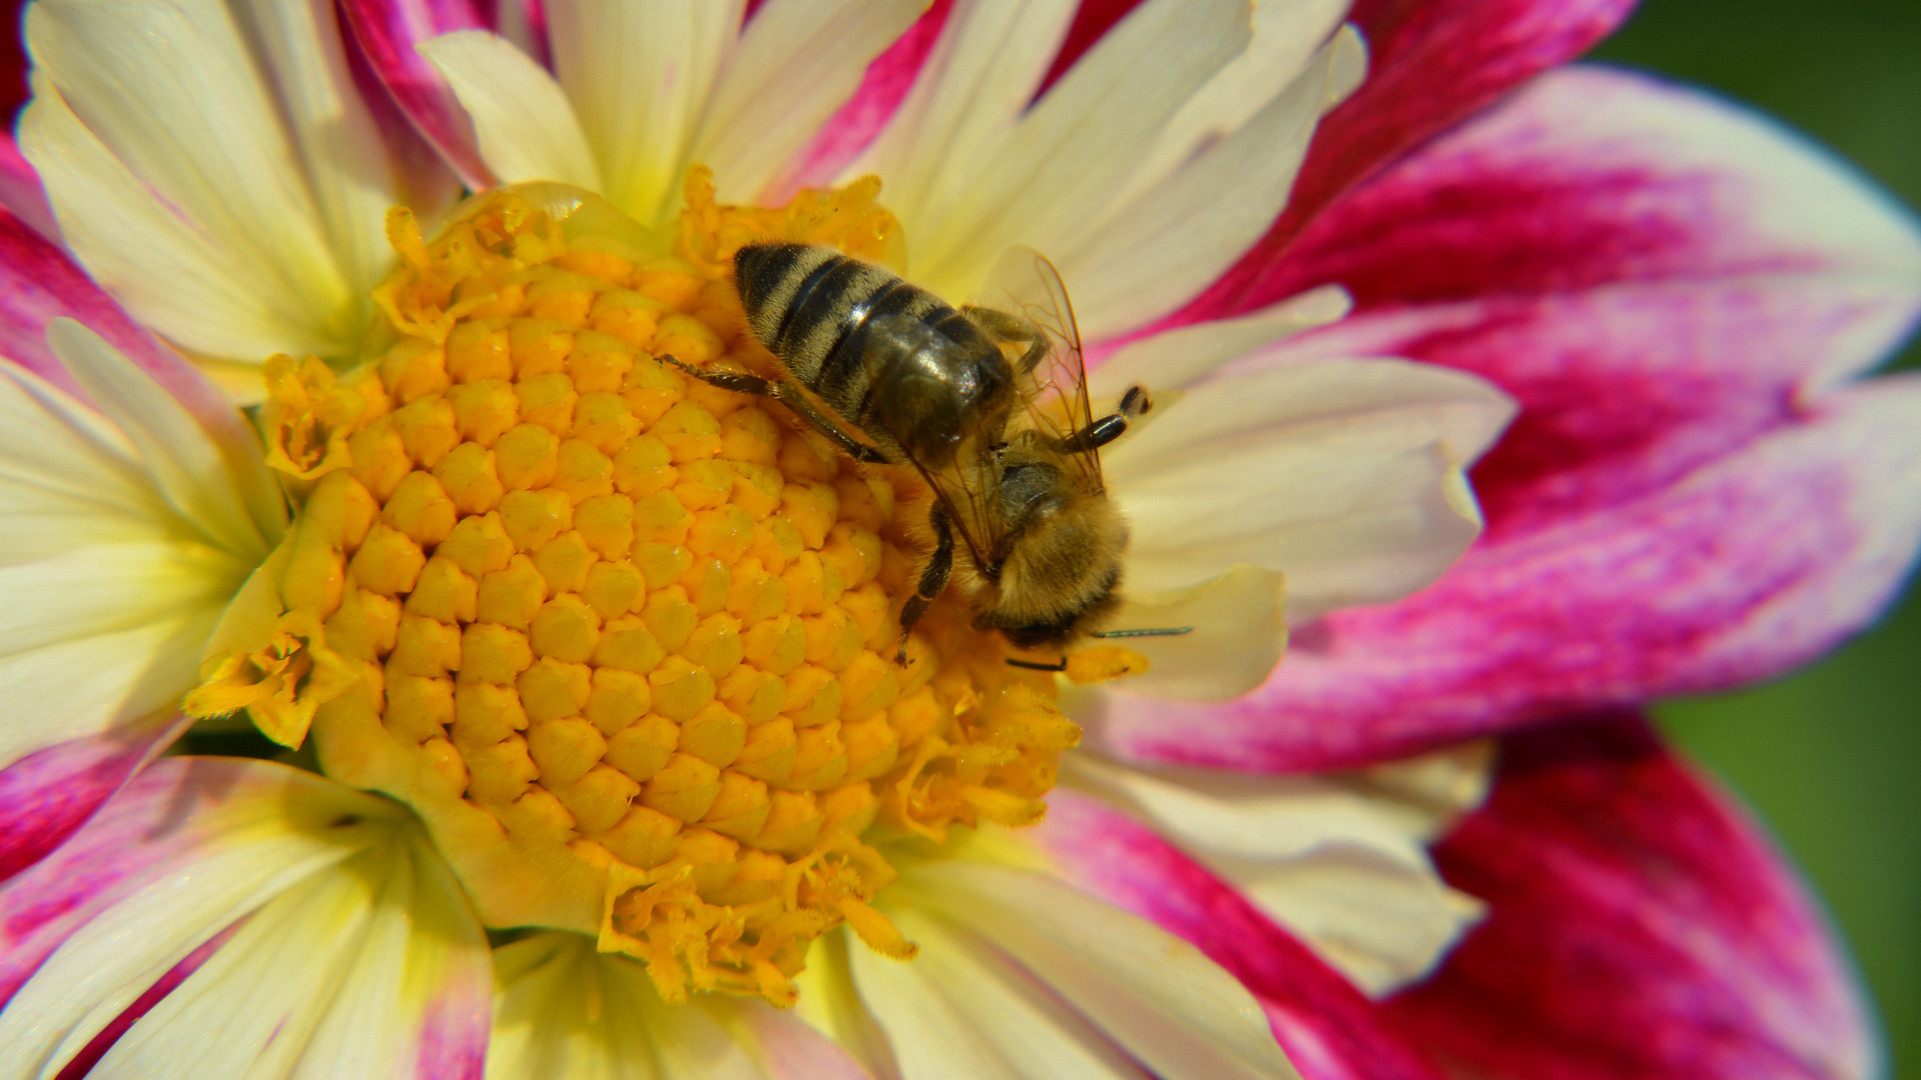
x=811, y=306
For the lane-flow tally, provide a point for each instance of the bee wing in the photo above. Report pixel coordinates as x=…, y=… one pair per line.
x=1052, y=382
x=969, y=487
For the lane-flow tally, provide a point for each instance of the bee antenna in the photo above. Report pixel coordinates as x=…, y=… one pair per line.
x=1165, y=631
x=1032, y=666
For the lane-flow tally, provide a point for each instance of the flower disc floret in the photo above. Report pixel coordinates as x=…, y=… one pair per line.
x=634, y=623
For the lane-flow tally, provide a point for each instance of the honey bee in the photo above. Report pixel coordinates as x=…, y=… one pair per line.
x=988, y=403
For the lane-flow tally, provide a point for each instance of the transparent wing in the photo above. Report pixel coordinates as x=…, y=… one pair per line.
x=968, y=487
x=1025, y=308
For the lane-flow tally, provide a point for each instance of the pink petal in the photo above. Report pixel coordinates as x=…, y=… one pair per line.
x=454, y=1032
x=387, y=31
x=1673, y=289
x=48, y=794
x=21, y=192
x=1755, y=563
x=848, y=132
x=1328, y=1029
x=1641, y=927
x=1432, y=63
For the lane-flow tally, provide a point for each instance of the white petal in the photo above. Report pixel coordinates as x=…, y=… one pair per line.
x=190, y=846
x=798, y=61
x=335, y=978
x=1239, y=631
x=1150, y=255
x=565, y=1010
x=1182, y=356
x=1155, y=995
x=1287, y=34
x=638, y=75
x=171, y=91
x=104, y=589
x=1345, y=476
x=110, y=594
x=1339, y=861
x=972, y=90
x=185, y=463
x=527, y=128
x=961, y=1009
x=67, y=476
x=84, y=686
x=177, y=278
x=1254, y=816
x=344, y=158
x=1060, y=167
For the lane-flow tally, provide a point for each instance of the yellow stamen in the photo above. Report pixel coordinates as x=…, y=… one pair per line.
x=638, y=622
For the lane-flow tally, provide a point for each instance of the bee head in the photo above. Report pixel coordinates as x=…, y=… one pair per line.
x=1060, y=570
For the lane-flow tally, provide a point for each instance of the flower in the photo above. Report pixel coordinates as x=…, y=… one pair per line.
x=1189, y=165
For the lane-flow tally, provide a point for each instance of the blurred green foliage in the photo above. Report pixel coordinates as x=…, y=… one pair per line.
x=1831, y=755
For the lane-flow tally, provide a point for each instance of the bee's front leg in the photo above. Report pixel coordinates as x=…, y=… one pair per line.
x=933, y=578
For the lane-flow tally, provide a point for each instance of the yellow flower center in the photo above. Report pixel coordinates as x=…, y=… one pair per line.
x=624, y=639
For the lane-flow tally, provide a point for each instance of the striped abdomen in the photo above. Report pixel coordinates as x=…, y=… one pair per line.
x=892, y=359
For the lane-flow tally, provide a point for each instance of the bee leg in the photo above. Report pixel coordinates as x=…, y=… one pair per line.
x=933, y=578
x=1015, y=329
x=787, y=395
x=1110, y=427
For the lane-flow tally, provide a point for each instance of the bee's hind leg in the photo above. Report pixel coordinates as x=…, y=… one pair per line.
x=787, y=394
x=933, y=578
x=1012, y=328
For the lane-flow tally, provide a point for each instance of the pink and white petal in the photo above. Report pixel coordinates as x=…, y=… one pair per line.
x=1343, y=475
x=221, y=194
x=21, y=192
x=1703, y=272
x=1062, y=163
x=1431, y=65
x=857, y=124
x=39, y=284
x=95, y=681
x=796, y=64
x=1747, y=567
x=187, y=847
x=1329, y=1030
x=1641, y=926
x=638, y=76
x=1287, y=38
x=372, y=967
x=564, y=1009
x=387, y=31
x=81, y=1064
x=970, y=92
x=1168, y=1007
x=51, y=792
x=1336, y=860
x=1198, y=218
x=110, y=593
x=526, y=128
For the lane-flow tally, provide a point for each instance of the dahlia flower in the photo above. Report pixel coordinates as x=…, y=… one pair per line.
x=597, y=756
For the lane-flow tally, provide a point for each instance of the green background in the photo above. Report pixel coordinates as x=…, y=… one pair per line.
x=1831, y=755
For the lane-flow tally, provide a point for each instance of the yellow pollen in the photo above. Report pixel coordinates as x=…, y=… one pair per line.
x=643, y=622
